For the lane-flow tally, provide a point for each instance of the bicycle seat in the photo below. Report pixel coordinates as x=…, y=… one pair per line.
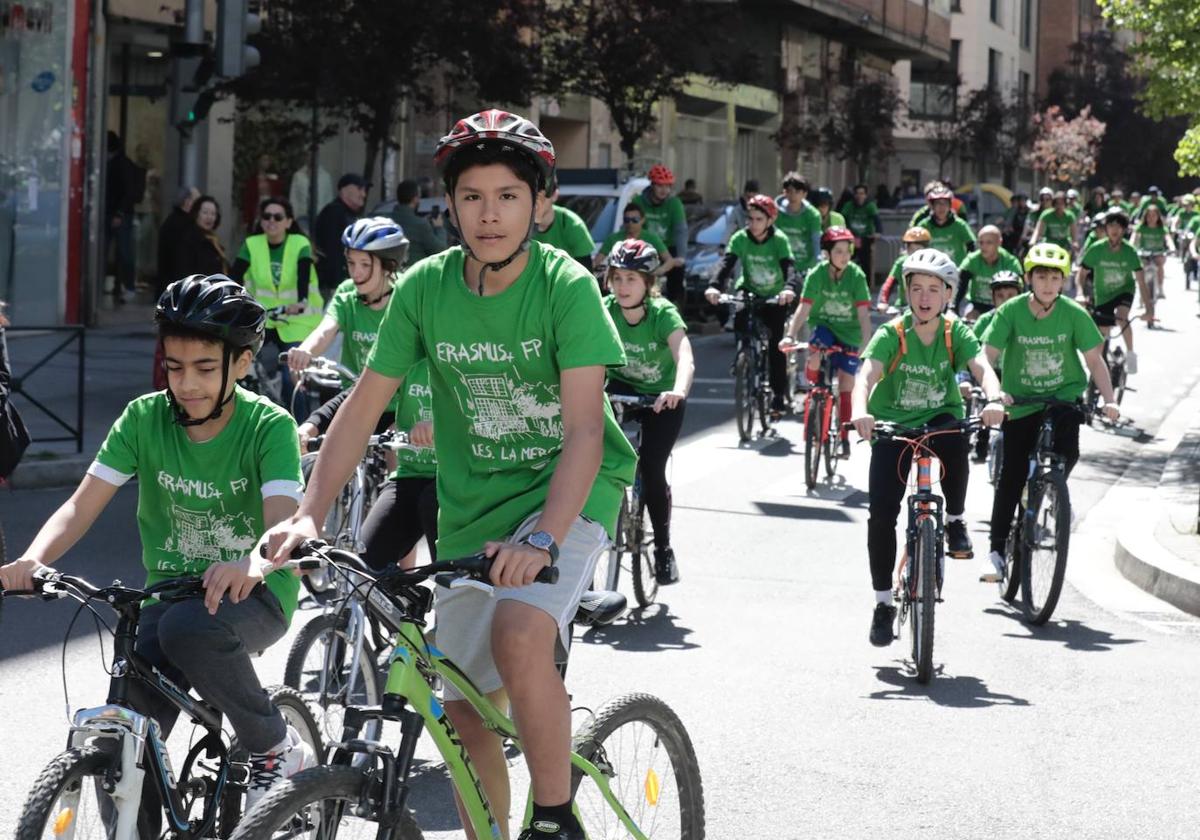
x=598, y=608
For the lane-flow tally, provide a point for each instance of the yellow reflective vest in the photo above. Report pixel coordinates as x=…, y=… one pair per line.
x=260, y=282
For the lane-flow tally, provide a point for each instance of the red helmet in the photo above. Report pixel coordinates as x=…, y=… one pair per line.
x=510, y=129
x=834, y=235
x=634, y=255
x=766, y=204
x=659, y=174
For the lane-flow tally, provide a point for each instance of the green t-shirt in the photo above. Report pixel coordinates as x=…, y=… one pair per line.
x=496, y=364
x=415, y=405
x=835, y=304
x=897, y=275
x=1113, y=272
x=1151, y=238
x=860, y=220
x=761, y=269
x=1091, y=240
x=954, y=239
x=661, y=219
x=980, y=327
x=202, y=503
x=568, y=232
x=1056, y=227
x=1184, y=218
x=835, y=219
x=1041, y=356
x=664, y=253
x=923, y=385
x=276, y=252
x=801, y=229
x=979, y=273
x=359, y=326
x=650, y=366
x=1194, y=225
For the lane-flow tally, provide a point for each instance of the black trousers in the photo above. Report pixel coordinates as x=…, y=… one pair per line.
x=674, y=289
x=775, y=319
x=659, y=433
x=405, y=510
x=890, y=463
x=1020, y=438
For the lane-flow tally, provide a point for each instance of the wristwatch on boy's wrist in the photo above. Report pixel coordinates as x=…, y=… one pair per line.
x=544, y=542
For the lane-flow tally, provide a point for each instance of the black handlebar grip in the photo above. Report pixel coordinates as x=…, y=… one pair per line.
x=549, y=574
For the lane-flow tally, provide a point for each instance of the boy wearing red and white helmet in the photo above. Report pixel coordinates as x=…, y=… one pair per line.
x=836, y=296
x=767, y=267
x=531, y=464
x=666, y=219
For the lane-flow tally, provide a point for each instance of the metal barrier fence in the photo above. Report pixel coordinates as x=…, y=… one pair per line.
x=20, y=380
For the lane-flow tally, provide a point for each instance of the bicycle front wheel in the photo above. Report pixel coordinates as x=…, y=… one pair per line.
x=321, y=803
x=67, y=800
x=644, y=751
x=923, y=591
x=645, y=584
x=319, y=667
x=743, y=399
x=1045, y=539
x=831, y=441
x=1010, y=584
x=812, y=439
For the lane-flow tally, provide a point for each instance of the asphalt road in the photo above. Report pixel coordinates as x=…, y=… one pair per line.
x=1086, y=727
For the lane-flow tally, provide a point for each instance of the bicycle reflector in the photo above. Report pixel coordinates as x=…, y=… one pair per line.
x=653, y=787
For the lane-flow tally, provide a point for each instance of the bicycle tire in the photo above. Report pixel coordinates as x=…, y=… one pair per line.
x=595, y=740
x=743, y=402
x=925, y=600
x=830, y=442
x=608, y=571
x=1010, y=584
x=328, y=720
x=995, y=457
x=66, y=770
x=340, y=785
x=1116, y=373
x=1039, y=589
x=812, y=439
x=763, y=394
x=645, y=584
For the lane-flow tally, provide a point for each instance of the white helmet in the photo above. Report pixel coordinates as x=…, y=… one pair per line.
x=1072, y=194
x=931, y=261
x=380, y=236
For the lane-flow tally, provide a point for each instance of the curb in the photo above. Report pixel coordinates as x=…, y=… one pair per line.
x=41, y=475
x=1152, y=568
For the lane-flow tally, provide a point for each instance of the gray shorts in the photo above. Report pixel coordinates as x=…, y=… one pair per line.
x=464, y=616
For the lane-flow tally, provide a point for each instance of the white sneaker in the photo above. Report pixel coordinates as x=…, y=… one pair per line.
x=1130, y=362
x=268, y=769
x=993, y=570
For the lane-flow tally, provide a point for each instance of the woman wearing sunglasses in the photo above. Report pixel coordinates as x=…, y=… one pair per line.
x=275, y=264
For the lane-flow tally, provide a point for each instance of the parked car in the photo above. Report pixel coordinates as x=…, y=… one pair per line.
x=599, y=196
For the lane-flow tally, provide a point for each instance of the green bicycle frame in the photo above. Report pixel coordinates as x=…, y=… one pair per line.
x=413, y=663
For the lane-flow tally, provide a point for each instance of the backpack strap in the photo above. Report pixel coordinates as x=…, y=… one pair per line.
x=897, y=324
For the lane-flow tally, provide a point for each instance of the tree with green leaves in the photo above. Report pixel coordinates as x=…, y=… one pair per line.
x=1167, y=54
x=860, y=124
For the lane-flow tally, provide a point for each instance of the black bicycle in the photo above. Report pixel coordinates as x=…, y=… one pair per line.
x=631, y=549
x=1036, y=551
x=752, y=392
x=1112, y=351
x=94, y=788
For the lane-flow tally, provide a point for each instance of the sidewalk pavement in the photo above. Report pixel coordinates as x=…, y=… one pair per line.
x=118, y=359
x=1159, y=547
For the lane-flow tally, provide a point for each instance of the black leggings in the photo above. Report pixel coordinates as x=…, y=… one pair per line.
x=775, y=317
x=890, y=460
x=1020, y=438
x=659, y=433
x=405, y=510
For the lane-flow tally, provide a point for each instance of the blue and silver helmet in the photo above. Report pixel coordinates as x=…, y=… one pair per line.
x=378, y=235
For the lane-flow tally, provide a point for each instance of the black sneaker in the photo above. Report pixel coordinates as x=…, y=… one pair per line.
x=666, y=570
x=958, y=543
x=845, y=448
x=881, y=625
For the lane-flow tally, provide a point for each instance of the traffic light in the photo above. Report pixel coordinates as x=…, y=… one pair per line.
x=235, y=23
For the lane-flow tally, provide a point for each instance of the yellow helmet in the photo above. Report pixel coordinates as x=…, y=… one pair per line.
x=1048, y=255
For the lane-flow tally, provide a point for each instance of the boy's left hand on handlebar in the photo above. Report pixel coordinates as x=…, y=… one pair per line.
x=298, y=360
x=421, y=434
x=864, y=425
x=237, y=578
x=515, y=564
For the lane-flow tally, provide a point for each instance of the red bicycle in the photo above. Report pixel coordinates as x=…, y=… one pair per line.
x=820, y=405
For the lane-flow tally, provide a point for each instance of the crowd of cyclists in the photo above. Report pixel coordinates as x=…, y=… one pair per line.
x=494, y=358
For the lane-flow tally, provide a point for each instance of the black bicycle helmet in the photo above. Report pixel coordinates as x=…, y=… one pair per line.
x=819, y=196
x=216, y=306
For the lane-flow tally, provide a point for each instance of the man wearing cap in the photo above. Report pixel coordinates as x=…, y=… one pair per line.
x=335, y=217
